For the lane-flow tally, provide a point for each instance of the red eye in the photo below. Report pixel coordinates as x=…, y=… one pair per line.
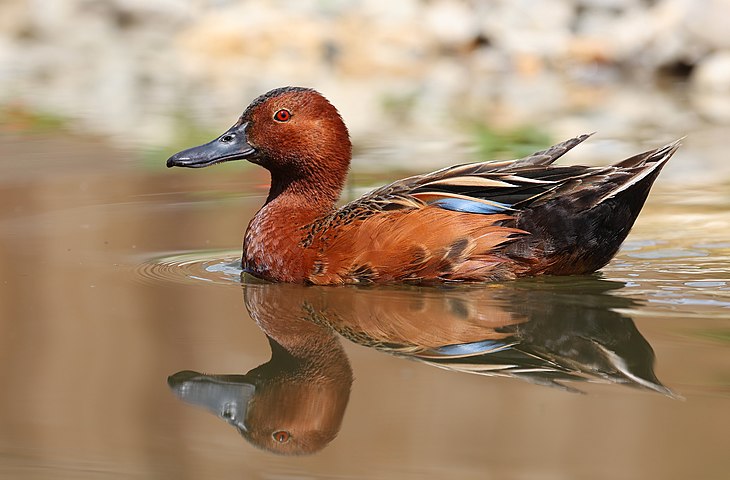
x=282, y=436
x=282, y=115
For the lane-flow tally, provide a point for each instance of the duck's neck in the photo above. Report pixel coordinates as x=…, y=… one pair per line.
x=273, y=247
x=313, y=178
x=302, y=194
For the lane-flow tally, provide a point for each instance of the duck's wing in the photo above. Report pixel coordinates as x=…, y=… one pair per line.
x=483, y=187
x=511, y=185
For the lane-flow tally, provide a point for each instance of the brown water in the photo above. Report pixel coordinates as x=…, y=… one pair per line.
x=115, y=276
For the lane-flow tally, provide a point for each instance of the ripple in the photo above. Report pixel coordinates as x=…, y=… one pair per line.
x=667, y=253
x=705, y=283
x=691, y=301
x=222, y=267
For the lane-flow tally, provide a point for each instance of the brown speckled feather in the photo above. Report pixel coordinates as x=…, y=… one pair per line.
x=413, y=245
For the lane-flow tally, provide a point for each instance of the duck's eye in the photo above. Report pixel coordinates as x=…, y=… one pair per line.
x=282, y=436
x=227, y=138
x=282, y=115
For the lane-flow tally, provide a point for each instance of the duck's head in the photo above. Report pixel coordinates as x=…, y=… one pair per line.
x=294, y=132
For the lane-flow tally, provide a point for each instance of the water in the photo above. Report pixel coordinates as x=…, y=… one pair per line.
x=114, y=279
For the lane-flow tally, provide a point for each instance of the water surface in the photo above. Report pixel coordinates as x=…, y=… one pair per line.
x=114, y=278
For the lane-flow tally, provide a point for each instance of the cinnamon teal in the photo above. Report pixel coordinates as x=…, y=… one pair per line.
x=476, y=222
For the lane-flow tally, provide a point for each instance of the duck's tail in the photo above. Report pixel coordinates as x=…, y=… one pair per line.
x=580, y=226
x=645, y=167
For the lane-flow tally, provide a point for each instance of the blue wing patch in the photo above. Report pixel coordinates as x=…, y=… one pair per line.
x=471, y=206
x=473, y=348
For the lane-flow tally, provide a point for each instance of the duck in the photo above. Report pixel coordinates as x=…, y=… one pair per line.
x=475, y=222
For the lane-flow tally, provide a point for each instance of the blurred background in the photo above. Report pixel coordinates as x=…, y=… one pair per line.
x=421, y=75
x=110, y=264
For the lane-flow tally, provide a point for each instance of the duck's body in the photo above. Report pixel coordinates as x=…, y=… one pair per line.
x=476, y=222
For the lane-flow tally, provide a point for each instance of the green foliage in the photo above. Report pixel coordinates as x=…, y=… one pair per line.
x=495, y=143
x=21, y=118
x=399, y=106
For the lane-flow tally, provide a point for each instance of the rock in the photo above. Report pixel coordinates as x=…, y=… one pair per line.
x=712, y=75
x=451, y=23
x=707, y=22
x=526, y=27
x=710, y=83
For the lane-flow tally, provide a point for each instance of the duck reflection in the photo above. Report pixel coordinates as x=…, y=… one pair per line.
x=292, y=404
x=542, y=331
